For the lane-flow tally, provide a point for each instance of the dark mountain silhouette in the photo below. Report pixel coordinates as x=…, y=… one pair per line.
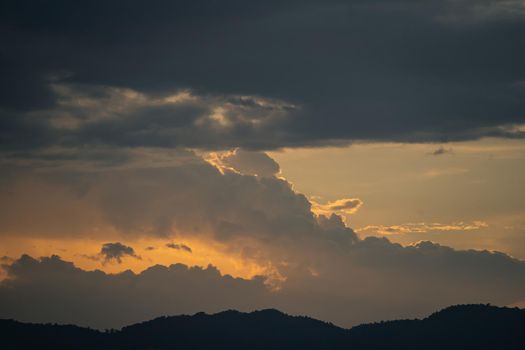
x=456, y=327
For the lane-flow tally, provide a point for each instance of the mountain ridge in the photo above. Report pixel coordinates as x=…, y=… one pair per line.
x=472, y=326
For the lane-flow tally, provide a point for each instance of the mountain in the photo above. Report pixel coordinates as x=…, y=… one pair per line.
x=456, y=327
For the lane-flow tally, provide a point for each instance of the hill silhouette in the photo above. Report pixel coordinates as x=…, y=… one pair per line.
x=456, y=327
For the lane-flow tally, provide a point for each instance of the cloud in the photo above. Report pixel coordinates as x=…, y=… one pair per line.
x=422, y=227
x=116, y=251
x=179, y=247
x=434, y=173
x=368, y=280
x=312, y=263
x=159, y=290
x=123, y=117
x=485, y=11
x=341, y=206
x=183, y=195
x=441, y=150
x=418, y=72
x=113, y=252
x=6, y=259
x=246, y=162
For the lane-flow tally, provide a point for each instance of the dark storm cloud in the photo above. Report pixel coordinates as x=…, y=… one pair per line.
x=378, y=70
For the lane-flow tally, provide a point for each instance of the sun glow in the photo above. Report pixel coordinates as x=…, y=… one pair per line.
x=152, y=251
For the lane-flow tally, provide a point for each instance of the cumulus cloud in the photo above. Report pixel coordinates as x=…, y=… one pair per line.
x=312, y=263
x=68, y=294
x=246, y=162
x=184, y=196
x=181, y=246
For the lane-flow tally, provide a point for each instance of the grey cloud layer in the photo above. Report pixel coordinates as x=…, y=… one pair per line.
x=372, y=280
x=67, y=294
x=376, y=70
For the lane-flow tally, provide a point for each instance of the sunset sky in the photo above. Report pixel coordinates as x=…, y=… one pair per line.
x=352, y=161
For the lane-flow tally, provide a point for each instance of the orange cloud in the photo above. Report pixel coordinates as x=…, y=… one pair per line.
x=421, y=227
x=346, y=206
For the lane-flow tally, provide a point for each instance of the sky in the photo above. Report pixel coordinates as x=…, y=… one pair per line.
x=353, y=161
